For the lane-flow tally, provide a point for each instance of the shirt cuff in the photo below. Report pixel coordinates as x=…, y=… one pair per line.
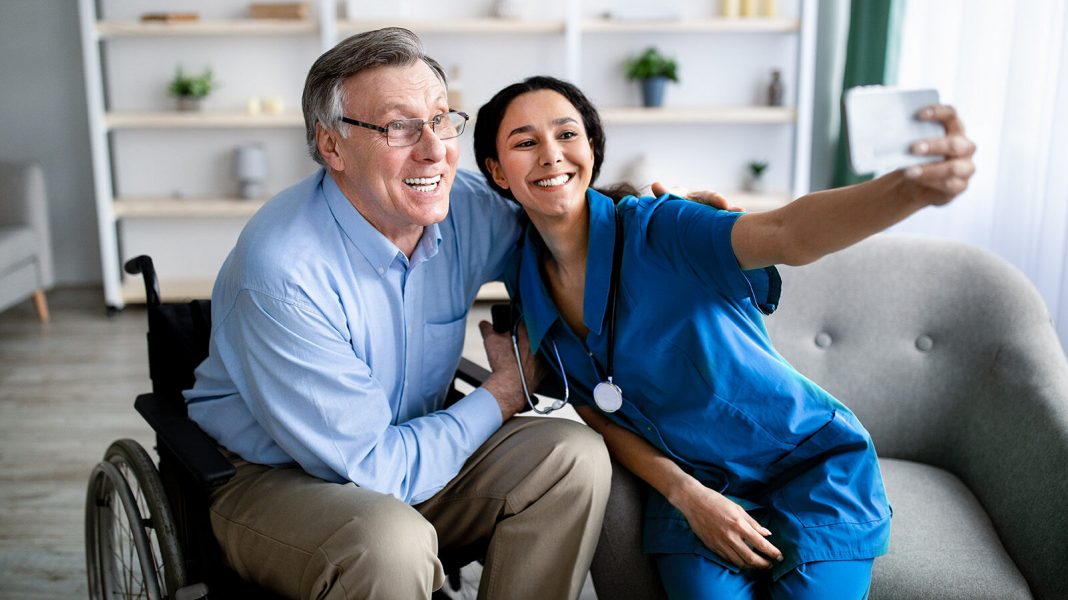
x=480, y=414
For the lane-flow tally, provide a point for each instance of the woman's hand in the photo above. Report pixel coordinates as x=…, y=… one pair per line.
x=726, y=529
x=939, y=182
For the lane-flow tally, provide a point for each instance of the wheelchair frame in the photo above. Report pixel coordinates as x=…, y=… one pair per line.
x=147, y=529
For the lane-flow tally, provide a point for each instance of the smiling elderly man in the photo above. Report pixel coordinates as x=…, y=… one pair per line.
x=339, y=321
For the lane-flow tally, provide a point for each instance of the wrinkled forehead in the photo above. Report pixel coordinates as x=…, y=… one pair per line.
x=395, y=91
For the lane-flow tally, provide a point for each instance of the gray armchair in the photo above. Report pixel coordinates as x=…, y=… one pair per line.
x=25, y=238
x=948, y=356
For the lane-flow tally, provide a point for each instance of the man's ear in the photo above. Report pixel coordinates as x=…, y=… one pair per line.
x=327, y=141
x=497, y=172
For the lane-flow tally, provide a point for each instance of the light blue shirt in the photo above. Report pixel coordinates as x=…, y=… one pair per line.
x=702, y=382
x=331, y=349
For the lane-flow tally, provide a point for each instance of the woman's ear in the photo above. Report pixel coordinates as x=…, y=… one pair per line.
x=497, y=172
x=327, y=142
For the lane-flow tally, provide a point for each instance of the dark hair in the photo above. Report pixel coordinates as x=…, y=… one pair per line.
x=492, y=113
x=324, y=93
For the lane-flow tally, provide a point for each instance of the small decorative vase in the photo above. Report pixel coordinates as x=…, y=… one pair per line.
x=653, y=91
x=188, y=103
x=250, y=170
x=755, y=184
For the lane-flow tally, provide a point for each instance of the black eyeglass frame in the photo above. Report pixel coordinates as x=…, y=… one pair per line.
x=422, y=123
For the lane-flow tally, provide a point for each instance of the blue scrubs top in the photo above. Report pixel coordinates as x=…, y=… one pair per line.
x=702, y=382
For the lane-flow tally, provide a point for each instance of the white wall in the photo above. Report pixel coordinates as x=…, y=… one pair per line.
x=43, y=120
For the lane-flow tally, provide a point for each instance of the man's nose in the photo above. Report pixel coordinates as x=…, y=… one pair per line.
x=430, y=147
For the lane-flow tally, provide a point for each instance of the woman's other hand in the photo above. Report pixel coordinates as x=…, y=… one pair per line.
x=726, y=529
x=939, y=182
x=713, y=199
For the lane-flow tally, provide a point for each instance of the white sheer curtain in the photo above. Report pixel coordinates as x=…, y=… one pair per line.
x=1004, y=65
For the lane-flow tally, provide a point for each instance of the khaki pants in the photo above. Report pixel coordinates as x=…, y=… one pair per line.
x=532, y=498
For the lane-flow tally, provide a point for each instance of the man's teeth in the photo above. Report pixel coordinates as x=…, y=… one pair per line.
x=558, y=180
x=423, y=184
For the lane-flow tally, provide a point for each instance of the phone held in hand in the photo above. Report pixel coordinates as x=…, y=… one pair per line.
x=881, y=126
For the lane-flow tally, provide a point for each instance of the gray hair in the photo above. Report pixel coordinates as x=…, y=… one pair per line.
x=324, y=95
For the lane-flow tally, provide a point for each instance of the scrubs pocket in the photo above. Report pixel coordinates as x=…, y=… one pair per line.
x=833, y=477
x=443, y=344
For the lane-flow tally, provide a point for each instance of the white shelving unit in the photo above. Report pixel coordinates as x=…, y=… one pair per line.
x=143, y=219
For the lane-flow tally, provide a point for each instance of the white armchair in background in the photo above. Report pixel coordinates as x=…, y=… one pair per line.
x=25, y=238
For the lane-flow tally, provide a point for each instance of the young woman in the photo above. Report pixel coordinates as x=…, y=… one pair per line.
x=651, y=308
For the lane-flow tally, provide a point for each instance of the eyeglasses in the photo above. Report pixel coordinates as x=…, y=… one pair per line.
x=406, y=132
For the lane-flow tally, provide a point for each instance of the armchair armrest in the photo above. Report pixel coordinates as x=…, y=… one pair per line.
x=193, y=448
x=1012, y=452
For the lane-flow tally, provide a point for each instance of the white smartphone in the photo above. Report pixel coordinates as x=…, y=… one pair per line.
x=881, y=126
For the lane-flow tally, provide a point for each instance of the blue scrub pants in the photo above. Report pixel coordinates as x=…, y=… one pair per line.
x=694, y=577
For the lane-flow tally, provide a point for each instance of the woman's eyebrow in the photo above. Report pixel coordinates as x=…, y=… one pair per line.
x=555, y=123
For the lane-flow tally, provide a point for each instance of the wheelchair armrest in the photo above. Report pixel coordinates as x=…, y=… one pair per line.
x=470, y=373
x=475, y=375
x=193, y=448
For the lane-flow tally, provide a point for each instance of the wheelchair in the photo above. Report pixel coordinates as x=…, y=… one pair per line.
x=147, y=530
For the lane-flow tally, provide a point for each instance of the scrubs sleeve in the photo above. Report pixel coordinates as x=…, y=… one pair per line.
x=695, y=240
x=322, y=405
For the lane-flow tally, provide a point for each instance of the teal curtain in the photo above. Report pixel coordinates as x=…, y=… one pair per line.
x=871, y=59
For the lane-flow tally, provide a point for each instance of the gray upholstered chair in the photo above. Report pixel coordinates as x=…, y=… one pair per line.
x=948, y=356
x=25, y=239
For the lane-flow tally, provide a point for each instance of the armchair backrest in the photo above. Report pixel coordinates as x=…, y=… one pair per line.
x=906, y=330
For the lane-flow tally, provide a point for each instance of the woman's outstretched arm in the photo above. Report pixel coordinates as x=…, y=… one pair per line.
x=820, y=223
x=723, y=526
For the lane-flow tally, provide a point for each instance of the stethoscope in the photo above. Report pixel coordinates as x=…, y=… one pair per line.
x=606, y=394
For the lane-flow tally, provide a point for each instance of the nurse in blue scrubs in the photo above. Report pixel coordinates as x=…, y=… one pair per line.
x=762, y=484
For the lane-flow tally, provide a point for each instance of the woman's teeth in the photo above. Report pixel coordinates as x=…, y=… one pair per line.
x=423, y=184
x=558, y=180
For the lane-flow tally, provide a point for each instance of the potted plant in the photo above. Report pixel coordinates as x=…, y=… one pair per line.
x=191, y=89
x=756, y=175
x=653, y=70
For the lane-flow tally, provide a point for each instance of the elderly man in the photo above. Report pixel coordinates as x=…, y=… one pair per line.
x=338, y=322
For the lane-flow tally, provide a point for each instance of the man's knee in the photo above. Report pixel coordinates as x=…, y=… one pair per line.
x=580, y=452
x=384, y=546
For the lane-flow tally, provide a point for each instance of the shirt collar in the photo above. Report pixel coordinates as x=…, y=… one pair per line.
x=375, y=247
x=539, y=311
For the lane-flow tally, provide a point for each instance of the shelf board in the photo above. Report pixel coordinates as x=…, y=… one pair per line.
x=492, y=292
x=198, y=120
x=724, y=114
x=472, y=25
x=758, y=201
x=156, y=207
x=170, y=290
x=114, y=29
x=713, y=25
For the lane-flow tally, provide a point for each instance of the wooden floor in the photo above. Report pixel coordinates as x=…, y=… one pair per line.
x=66, y=392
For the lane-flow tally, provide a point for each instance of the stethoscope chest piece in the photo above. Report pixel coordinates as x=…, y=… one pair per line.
x=608, y=396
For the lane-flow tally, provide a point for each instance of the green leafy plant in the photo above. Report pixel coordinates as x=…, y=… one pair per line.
x=651, y=63
x=757, y=167
x=192, y=86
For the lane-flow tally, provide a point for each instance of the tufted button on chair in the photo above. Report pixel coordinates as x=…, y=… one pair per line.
x=25, y=239
x=947, y=354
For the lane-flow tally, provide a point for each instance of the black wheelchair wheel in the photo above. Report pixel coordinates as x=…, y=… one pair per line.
x=130, y=540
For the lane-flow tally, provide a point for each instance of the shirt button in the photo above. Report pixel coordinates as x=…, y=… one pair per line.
x=381, y=270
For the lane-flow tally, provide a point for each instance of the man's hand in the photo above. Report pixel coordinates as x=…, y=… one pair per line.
x=726, y=529
x=713, y=199
x=504, y=383
x=938, y=183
